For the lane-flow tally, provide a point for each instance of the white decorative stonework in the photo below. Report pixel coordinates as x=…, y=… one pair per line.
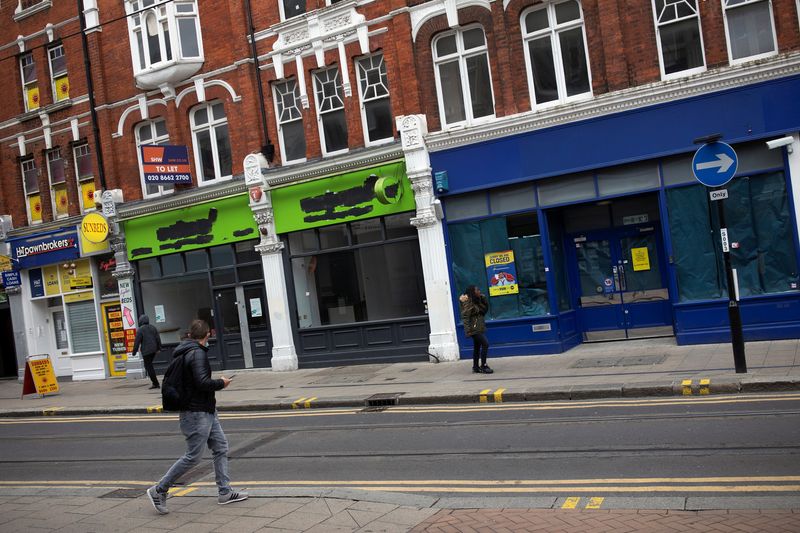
x=269, y=248
x=422, y=13
x=264, y=217
x=253, y=163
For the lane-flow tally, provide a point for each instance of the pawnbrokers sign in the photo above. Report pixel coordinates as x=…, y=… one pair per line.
x=45, y=249
x=166, y=164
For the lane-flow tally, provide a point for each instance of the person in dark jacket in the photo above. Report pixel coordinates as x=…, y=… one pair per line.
x=474, y=306
x=149, y=341
x=199, y=421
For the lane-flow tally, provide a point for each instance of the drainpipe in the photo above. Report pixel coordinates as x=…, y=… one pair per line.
x=90, y=88
x=268, y=149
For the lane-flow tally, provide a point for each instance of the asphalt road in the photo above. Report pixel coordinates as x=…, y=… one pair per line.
x=745, y=445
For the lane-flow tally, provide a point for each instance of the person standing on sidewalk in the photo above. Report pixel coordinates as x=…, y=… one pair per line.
x=149, y=341
x=198, y=421
x=474, y=306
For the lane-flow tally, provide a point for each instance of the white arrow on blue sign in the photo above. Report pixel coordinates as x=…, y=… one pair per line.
x=714, y=164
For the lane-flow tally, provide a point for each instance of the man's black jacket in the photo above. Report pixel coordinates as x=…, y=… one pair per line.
x=198, y=385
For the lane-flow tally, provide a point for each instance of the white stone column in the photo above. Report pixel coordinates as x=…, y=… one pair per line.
x=794, y=175
x=284, y=356
x=443, y=343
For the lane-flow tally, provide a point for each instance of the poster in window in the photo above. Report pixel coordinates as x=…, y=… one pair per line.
x=501, y=273
x=37, y=283
x=35, y=206
x=255, y=308
x=62, y=88
x=116, y=350
x=33, y=97
x=640, y=258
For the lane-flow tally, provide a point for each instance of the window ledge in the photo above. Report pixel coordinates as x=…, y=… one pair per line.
x=45, y=110
x=24, y=13
x=169, y=74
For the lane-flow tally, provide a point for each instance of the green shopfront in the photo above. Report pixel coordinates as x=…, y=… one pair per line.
x=200, y=262
x=353, y=267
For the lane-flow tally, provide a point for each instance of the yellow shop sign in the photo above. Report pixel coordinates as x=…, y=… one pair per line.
x=94, y=228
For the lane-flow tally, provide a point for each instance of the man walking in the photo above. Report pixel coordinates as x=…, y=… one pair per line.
x=148, y=339
x=198, y=420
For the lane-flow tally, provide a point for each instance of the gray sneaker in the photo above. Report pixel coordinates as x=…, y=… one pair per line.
x=232, y=496
x=158, y=499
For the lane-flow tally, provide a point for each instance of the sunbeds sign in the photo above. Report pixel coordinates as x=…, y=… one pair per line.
x=166, y=164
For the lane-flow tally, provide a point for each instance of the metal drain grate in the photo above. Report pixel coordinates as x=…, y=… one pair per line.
x=383, y=400
x=620, y=361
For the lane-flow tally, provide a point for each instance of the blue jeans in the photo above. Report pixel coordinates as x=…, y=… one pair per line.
x=200, y=429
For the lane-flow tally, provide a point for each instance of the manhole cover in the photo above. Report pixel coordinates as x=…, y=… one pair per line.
x=620, y=361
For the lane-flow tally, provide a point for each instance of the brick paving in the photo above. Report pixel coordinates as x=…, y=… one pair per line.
x=599, y=521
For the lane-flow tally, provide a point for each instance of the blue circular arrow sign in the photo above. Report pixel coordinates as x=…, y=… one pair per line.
x=714, y=164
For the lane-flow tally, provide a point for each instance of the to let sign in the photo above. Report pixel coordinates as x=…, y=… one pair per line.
x=166, y=164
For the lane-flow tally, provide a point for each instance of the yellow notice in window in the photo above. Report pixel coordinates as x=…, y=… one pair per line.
x=640, y=258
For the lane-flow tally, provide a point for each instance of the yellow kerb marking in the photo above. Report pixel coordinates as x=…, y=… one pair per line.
x=50, y=411
x=571, y=503
x=184, y=492
x=298, y=402
x=595, y=503
x=308, y=402
x=498, y=395
x=483, y=395
x=687, y=387
x=704, y=384
x=155, y=409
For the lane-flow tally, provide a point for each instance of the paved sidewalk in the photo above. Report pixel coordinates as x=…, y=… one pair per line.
x=602, y=370
x=96, y=510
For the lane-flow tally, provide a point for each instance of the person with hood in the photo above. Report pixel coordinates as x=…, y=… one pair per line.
x=198, y=421
x=149, y=341
x=474, y=306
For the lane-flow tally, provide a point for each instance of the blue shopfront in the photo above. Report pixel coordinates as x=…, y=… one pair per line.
x=613, y=238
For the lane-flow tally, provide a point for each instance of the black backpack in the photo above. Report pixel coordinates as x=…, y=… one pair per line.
x=173, y=386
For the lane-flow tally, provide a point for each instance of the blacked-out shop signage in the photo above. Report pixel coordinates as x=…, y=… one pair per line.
x=366, y=193
x=45, y=249
x=199, y=226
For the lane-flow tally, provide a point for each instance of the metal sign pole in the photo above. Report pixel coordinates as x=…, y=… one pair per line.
x=734, y=317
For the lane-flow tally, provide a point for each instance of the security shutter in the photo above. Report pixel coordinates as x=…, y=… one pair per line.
x=83, y=327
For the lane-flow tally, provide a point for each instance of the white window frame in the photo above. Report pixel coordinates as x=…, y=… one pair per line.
x=26, y=165
x=211, y=127
x=283, y=11
x=79, y=151
x=154, y=139
x=658, y=26
x=725, y=11
x=387, y=96
x=462, y=56
x=340, y=94
x=165, y=12
x=53, y=155
x=553, y=30
x=277, y=101
x=31, y=83
x=60, y=73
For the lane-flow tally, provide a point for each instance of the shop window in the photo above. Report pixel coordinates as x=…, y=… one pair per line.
x=467, y=206
x=399, y=225
x=292, y=8
x=56, y=171
x=226, y=276
x=196, y=260
x=246, y=252
x=30, y=87
x=512, y=198
x=333, y=237
x=376, y=109
x=221, y=256
x=303, y=241
x=366, y=231
x=152, y=132
x=149, y=268
x=212, y=144
x=85, y=175
x=82, y=320
x=172, y=264
x=628, y=178
x=566, y=189
x=680, y=41
x=165, y=38
x=555, y=52
x=330, y=110
x=463, y=81
x=290, y=122
x=470, y=241
x=377, y=281
x=183, y=299
x=33, y=198
x=750, y=29
x=759, y=223
x=58, y=72
x=107, y=282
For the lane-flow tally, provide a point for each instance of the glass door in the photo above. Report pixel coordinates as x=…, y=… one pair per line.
x=234, y=351
x=243, y=326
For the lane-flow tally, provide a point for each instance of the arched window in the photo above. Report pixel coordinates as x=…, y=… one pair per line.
x=463, y=81
x=555, y=52
x=212, y=143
